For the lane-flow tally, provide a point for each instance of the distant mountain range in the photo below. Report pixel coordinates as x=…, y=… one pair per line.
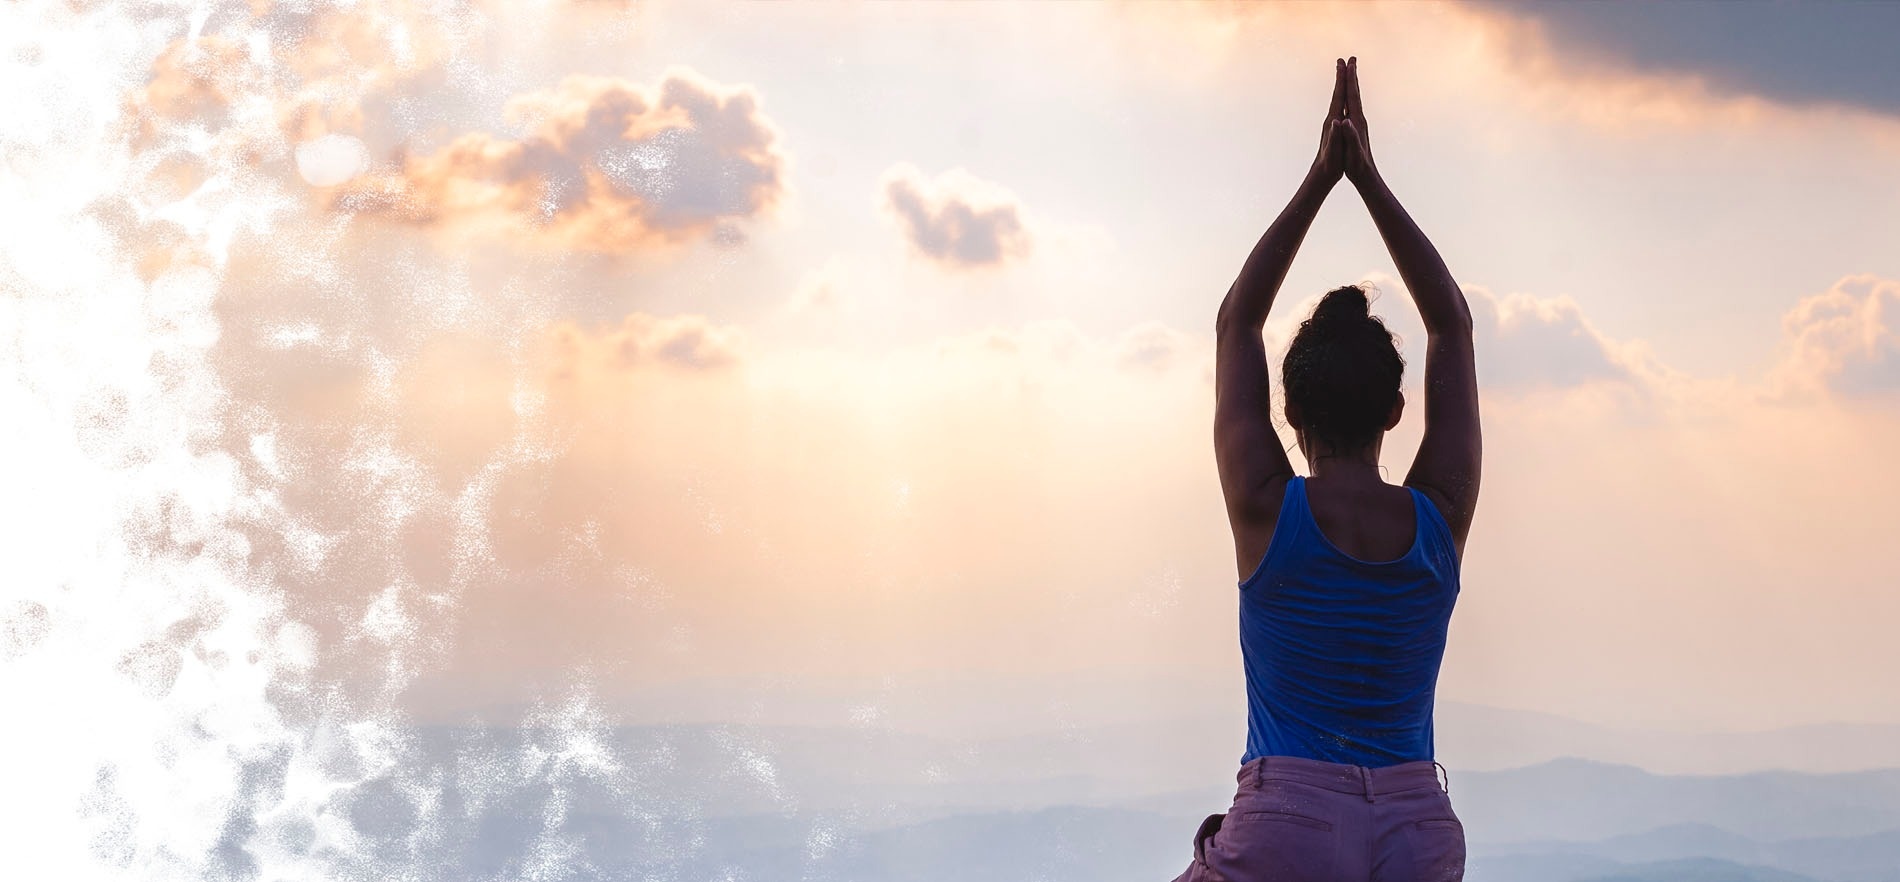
x=1472, y=736
x=1197, y=724
x=811, y=804
x=1680, y=848
x=1570, y=868
x=1583, y=800
x=747, y=769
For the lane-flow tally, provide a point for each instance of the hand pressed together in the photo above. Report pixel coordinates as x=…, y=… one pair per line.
x=1345, y=149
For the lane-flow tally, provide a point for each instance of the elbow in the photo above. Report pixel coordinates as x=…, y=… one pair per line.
x=1229, y=318
x=1455, y=321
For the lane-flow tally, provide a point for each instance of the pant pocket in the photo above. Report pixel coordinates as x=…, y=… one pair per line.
x=1438, y=849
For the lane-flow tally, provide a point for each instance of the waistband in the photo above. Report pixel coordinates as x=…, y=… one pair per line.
x=1341, y=778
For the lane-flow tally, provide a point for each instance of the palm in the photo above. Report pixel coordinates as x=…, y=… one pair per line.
x=1344, y=145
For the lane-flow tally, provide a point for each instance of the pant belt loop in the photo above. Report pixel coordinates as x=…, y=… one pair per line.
x=1365, y=781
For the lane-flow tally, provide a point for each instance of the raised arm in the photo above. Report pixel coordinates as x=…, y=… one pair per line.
x=1252, y=463
x=1447, y=465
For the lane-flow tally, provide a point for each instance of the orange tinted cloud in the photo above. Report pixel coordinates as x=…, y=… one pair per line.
x=341, y=55
x=607, y=166
x=308, y=77
x=1844, y=341
x=193, y=81
x=687, y=341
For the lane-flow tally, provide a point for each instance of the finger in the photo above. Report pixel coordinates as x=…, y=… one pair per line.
x=1338, y=108
x=1353, y=108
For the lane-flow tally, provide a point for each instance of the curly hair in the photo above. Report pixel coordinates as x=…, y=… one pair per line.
x=1343, y=371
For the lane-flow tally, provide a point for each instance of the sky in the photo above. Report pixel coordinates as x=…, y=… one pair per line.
x=851, y=363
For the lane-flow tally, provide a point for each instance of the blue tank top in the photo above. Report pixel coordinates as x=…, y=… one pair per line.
x=1341, y=654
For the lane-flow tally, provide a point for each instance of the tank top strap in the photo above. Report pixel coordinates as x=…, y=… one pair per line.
x=1294, y=501
x=1296, y=517
x=1430, y=521
x=1434, y=531
x=1288, y=528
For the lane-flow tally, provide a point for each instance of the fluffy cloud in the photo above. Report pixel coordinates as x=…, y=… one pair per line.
x=1843, y=340
x=192, y=81
x=1526, y=342
x=958, y=219
x=606, y=166
x=291, y=73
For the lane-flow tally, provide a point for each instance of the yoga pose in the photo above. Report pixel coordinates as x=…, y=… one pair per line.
x=1346, y=582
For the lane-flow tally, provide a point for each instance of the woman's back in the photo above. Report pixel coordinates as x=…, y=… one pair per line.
x=1344, y=597
x=1341, y=653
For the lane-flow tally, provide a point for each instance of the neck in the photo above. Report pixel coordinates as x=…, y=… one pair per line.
x=1353, y=466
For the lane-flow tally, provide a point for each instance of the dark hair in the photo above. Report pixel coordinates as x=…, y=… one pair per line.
x=1343, y=371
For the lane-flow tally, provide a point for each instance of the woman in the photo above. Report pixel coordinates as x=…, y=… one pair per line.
x=1347, y=582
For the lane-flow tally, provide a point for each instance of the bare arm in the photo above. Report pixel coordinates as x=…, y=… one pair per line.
x=1247, y=450
x=1449, y=455
x=1249, y=298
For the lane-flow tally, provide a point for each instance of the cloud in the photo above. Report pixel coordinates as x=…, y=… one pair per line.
x=607, y=165
x=1525, y=342
x=819, y=291
x=1045, y=341
x=291, y=73
x=689, y=342
x=1795, y=54
x=1844, y=341
x=957, y=220
x=1155, y=347
x=192, y=81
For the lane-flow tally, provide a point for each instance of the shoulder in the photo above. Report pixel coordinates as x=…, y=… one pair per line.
x=1261, y=504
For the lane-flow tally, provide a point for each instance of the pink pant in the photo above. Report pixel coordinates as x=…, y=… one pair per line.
x=1302, y=820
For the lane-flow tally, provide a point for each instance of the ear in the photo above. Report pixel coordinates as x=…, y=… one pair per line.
x=1398, y=409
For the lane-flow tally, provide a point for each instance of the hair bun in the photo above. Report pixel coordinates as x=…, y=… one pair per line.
x=1345, y=304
